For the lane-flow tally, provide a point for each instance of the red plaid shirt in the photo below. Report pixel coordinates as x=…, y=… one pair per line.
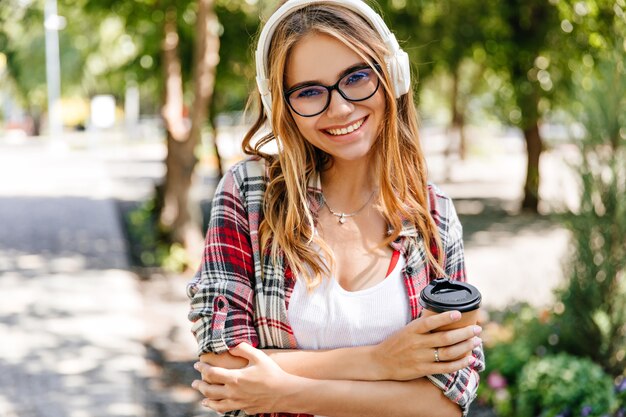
x=231, y=303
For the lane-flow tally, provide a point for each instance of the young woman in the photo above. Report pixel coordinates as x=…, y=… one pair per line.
x=306, y=300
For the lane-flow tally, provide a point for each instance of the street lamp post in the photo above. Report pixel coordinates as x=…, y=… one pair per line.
x=53, y=23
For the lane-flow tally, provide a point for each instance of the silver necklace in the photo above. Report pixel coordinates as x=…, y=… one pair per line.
x=343, y=216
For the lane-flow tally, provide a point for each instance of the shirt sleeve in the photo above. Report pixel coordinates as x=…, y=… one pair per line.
x=221, y=292
x=461, y=386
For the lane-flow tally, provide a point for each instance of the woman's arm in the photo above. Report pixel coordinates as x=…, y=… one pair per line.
x=221, y=292
x=263, y=387
x=407, y=355
x=331, y=382
x=371, y=398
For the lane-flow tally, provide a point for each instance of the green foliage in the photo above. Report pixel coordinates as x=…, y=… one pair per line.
x=620, y=392
x=563, y=384
x=528, y=375
x=530, y=336
x=144, y=236
x=109, y=44
x=149, y=247
x=235, y=71
x=22, y=39
x=525, y=333
x=593, y=299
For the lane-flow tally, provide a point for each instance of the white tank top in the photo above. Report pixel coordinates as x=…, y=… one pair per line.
x=331, y=317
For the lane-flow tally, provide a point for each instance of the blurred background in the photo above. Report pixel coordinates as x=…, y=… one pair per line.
x=118, y=117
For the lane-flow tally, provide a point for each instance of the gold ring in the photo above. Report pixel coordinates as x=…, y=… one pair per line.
x=436, y=354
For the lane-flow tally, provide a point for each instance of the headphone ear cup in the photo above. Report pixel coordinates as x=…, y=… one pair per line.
x=400, y=72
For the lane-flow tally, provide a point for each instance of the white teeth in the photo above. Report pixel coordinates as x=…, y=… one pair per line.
x=346, y=130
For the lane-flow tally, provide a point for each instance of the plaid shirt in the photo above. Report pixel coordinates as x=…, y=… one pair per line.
x=231, y=303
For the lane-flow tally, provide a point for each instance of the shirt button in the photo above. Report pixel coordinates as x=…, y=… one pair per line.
x=220, y=304
x=409, y=270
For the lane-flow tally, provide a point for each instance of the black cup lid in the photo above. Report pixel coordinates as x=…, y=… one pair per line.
x=443, y=294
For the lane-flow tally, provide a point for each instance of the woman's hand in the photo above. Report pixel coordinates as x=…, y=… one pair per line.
x=257, y=388
x=413, y=351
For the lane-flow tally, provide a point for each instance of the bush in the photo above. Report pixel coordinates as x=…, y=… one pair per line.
x=515, y=336
x=559, y=385
x=149, y=245
x=522, y=335
x=593, y=300
x=528, y=333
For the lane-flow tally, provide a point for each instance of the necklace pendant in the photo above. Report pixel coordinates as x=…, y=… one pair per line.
x=342, y=218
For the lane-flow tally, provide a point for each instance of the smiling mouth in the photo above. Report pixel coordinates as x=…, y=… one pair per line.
x=347, y=129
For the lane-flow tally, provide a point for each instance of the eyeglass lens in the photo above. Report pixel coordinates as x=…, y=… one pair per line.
x=314, y=99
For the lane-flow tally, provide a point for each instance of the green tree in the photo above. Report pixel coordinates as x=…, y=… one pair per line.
x=198, y=67
x=22, y=40
x=169, y=49
x=522, y=44
x=594, y=294
x=441, y=37
x=595, y=32
x=500, y=42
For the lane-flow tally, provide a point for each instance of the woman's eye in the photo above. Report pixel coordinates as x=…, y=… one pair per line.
x=355, y=77
x=309, y=92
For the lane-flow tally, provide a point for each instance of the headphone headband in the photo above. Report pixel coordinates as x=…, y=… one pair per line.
x=397, y=60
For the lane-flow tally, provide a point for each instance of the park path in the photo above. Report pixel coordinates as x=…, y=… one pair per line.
x=70, y=312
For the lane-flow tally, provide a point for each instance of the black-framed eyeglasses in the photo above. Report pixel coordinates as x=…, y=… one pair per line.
x=309, y=100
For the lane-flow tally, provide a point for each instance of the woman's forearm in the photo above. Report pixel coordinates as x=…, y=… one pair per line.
x=368, y=398
x=260, y=385
x=354, y=363
x=406, y=355
x=359, y=363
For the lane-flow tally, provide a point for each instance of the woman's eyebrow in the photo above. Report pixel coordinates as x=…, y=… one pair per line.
x=342, y=74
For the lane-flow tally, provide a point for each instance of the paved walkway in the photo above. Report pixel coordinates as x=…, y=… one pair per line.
x=70, y=313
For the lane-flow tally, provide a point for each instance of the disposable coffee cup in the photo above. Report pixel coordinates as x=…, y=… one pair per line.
x=443, y=295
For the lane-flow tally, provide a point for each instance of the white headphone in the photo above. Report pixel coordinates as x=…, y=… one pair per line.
x=397, y=60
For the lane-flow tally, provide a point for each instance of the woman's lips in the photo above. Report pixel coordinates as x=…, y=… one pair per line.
x=346, y=130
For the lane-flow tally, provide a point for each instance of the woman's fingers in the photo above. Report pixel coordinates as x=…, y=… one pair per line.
x=452, y=366
x=212, y=392
x=452, y=337
x=458, y=350
x=454, y=344
x=222, y=406
x=248, y=352
x=430, y=323
x=214, y=374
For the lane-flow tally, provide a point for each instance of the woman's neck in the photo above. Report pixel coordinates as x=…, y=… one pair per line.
x=347, y=185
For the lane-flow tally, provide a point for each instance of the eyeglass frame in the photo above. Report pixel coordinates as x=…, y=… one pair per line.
x=331, y=88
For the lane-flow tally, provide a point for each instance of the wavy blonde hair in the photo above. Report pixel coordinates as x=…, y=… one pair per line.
x=288, y=225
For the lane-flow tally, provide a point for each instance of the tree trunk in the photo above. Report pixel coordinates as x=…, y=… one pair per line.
x=218, y=158
x=35, y=116
x=183, y=136
x=458, y=115
x=534, y=147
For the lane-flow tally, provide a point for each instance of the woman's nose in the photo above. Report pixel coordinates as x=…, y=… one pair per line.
x=338, y=106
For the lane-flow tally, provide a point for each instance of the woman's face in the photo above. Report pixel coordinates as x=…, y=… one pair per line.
x=346, y=130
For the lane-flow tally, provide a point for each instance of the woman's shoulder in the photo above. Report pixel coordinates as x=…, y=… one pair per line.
x=437, y=198
x=440, y=205
x=246, y=179
x=247, y=173
x=248, y=168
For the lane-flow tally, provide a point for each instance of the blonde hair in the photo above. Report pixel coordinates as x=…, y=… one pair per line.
x=288, y=225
